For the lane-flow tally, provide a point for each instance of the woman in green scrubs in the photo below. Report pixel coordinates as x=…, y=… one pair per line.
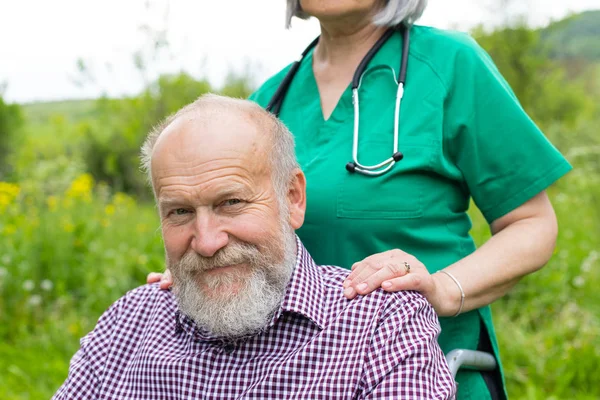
x=463, y=135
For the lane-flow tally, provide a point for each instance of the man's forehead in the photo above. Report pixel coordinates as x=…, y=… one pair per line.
x=209, y=133
x=220, y=190
x=196, y=148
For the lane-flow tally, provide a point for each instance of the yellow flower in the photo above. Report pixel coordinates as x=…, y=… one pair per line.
x=8, y=193
x=109, y=209
x=5, y=201
x=52, y=202
x=121, y=199
x=74, y=329
x=9, y=229
x=67, y=225
x=81, y=187
x=10, y=189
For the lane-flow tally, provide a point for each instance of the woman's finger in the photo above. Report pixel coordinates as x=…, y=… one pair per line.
x=361, y=272
x=371, y=263
x=407, y=282
x=167, y=280
x=387, y=272
x=154, y=277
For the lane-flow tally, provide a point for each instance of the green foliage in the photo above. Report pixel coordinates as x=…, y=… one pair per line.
x=64, y=258
x=540, y=84
x=119, y=126
x=11, y=119
x=548, y=325
x=238, y=85
x=574, y=37
x=73, y=110
x=113, y=138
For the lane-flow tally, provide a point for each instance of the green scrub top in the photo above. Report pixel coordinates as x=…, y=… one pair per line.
x=463, y=134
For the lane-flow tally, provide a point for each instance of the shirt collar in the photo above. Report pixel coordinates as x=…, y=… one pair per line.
x=306, y=291
x=304, y=295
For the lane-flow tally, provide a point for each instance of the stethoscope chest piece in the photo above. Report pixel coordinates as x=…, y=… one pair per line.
x=352, y=167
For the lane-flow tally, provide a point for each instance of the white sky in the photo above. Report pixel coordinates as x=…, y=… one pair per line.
x=40, y=41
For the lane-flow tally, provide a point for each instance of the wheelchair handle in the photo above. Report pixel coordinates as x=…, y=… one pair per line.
x=478, y=360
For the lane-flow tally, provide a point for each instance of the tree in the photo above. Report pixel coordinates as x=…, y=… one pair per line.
x=539, y=82
x=115, y=135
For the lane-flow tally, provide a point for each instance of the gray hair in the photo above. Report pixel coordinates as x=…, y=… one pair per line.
x=282, y=153
x=393, y=13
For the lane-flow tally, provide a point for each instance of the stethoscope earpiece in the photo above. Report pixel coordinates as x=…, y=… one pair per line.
x=351, y=167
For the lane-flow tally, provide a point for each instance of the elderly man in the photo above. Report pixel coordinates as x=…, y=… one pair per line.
x=250, y=314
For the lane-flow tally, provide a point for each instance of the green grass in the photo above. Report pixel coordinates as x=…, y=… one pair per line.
x=64, y=258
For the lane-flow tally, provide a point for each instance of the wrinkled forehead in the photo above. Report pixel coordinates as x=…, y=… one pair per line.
x=214, y=135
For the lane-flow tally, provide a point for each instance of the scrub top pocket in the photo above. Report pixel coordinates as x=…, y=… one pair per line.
x=397, y=194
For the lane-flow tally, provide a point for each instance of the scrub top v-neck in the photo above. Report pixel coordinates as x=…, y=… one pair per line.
x=463, y=134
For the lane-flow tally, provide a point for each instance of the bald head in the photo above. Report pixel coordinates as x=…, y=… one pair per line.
x=213, y=138
x=240, y=129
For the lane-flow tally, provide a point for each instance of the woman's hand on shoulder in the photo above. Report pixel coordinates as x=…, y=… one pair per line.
x=166, y=281
x=393, y=271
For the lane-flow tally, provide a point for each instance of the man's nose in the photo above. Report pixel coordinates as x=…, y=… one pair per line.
x=209, y=237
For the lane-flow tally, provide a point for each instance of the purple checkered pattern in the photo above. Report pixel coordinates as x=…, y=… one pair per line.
x=319, y=345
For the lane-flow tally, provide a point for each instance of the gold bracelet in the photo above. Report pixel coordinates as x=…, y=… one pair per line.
x=462, y=292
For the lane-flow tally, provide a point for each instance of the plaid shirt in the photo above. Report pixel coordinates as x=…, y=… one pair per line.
x=319, y=345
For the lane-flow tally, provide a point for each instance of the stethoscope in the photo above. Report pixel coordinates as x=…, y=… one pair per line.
x=274, y=105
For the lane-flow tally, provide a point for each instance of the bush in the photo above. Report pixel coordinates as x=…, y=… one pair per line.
x=11, y=120
x=540, y=84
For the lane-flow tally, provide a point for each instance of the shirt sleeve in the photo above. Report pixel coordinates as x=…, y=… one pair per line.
x=503, y=157
x=405, y=360
x=83, y=381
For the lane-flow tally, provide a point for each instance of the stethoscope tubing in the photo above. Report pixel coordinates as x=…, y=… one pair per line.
x=274, y=106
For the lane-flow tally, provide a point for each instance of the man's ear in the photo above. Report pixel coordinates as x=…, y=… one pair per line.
x=297, y=199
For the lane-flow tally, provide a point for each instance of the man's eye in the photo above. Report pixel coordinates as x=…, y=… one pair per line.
x=231, y=202
x=180, y=211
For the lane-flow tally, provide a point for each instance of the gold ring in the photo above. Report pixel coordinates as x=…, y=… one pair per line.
x=407, y=267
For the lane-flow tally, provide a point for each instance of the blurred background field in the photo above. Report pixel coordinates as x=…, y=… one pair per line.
x=78, y=227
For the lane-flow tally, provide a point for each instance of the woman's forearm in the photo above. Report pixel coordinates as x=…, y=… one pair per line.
x=522, y=242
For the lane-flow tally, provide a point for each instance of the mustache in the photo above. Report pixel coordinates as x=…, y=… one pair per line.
x=232, y=254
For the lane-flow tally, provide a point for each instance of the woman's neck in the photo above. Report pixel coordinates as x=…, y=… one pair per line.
x=342, y=46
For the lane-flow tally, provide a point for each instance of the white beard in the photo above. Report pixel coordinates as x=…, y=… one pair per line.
x=252, y=307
